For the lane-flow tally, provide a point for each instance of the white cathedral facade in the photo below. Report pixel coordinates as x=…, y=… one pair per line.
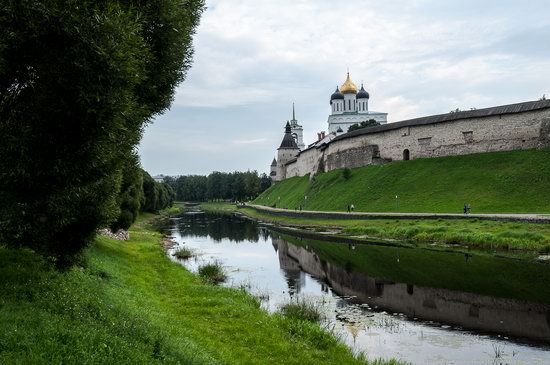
x=348, y=106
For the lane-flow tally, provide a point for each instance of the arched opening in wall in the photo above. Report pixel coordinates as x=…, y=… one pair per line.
x=406, y=155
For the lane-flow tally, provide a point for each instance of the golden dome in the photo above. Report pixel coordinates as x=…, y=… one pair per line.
x=348, y=87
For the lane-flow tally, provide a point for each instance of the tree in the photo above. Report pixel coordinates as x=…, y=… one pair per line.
x=130, y=195
x=156, y=196
x=265, y=182
x=364, y=124
x=78, y=82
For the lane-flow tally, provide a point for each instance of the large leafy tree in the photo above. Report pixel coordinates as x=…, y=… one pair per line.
x=79, y=80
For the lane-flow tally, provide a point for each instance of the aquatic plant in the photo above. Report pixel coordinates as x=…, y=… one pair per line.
x=302, y=309
x=184, y=253
x=212, y=273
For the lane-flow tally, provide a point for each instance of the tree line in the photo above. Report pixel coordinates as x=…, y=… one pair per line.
x=236, y=186
x=139, y=192
x=79, y=82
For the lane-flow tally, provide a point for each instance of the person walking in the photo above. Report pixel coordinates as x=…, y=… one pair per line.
x=352, y=207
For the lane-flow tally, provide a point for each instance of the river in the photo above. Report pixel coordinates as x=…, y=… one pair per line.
x=422, y=306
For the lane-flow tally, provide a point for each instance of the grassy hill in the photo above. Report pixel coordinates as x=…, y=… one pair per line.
x=498, y=182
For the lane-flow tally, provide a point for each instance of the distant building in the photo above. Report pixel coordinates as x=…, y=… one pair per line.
x=286, y=153
x=349, y=106
x=159, y=178
x=501, y=128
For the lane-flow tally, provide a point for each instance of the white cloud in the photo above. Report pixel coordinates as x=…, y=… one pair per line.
x=251, y=141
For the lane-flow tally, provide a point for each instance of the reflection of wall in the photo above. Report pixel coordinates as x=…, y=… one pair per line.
x=291, y=267
x=507, y=316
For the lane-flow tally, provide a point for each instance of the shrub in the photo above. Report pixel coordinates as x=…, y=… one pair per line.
x=184, y=253
x=302, y=309
x=212, y=273
x=346, y=173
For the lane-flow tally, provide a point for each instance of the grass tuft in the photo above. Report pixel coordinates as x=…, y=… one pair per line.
x=302, y=309
x=212, y=273
x=184, y=253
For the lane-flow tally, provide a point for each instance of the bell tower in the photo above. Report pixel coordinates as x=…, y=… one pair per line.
x=297, y=130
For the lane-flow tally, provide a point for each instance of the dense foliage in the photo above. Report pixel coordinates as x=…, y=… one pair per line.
x=156, y=196
x=219, y=186
x=130, y=196
x=78, y=82
x=364, y=124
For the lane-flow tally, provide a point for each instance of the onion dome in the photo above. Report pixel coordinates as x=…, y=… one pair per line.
x=363, y=94
x=348, y=87
x=288, y=140
x=336, y=95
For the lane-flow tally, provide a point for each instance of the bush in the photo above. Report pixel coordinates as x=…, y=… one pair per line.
x=346, y=173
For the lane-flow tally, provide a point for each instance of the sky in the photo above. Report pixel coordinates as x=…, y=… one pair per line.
x=254, y=58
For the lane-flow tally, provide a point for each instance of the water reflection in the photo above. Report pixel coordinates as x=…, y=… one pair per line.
x=220, y=226
x=423, y=306
x=491, y=314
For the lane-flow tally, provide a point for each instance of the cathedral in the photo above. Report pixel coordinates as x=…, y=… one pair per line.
x=348, y=106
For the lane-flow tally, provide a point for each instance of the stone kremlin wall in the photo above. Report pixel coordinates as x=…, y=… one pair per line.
x=504, y=128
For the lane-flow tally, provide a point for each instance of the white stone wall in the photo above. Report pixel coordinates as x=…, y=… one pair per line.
x=307, y=162
x=344, y=121
x=488, y=134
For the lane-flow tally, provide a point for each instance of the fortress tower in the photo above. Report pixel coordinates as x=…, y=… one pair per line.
x=349, y=106
x=285, y=153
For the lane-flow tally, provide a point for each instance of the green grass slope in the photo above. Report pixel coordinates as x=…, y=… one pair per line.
x=132, y=305
x=498, y=182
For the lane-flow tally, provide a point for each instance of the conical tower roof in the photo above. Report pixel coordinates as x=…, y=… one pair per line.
x=288, y=140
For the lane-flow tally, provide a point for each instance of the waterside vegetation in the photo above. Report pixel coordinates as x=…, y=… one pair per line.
x=519, y=239
x=128, y=303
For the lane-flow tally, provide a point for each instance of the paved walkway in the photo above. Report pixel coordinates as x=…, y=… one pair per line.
x=532, y=218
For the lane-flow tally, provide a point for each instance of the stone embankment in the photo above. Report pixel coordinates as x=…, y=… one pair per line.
x=528, y=218
x=120, y=235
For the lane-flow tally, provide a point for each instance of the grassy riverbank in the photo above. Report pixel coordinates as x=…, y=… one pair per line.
x=517, y=237
x=130, y=304
x=499, y=182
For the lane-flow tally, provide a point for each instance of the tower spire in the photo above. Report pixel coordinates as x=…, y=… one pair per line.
x=293, y=113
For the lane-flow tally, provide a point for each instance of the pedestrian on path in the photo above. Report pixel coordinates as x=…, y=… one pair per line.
x=352, y=207
x=348, y=208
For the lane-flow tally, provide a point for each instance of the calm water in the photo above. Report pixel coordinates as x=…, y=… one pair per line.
x=417, y=305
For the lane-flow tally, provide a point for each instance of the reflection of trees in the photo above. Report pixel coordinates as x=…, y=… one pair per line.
x=220, y=226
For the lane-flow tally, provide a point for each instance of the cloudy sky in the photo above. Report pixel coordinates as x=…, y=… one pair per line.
x=254, y=58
